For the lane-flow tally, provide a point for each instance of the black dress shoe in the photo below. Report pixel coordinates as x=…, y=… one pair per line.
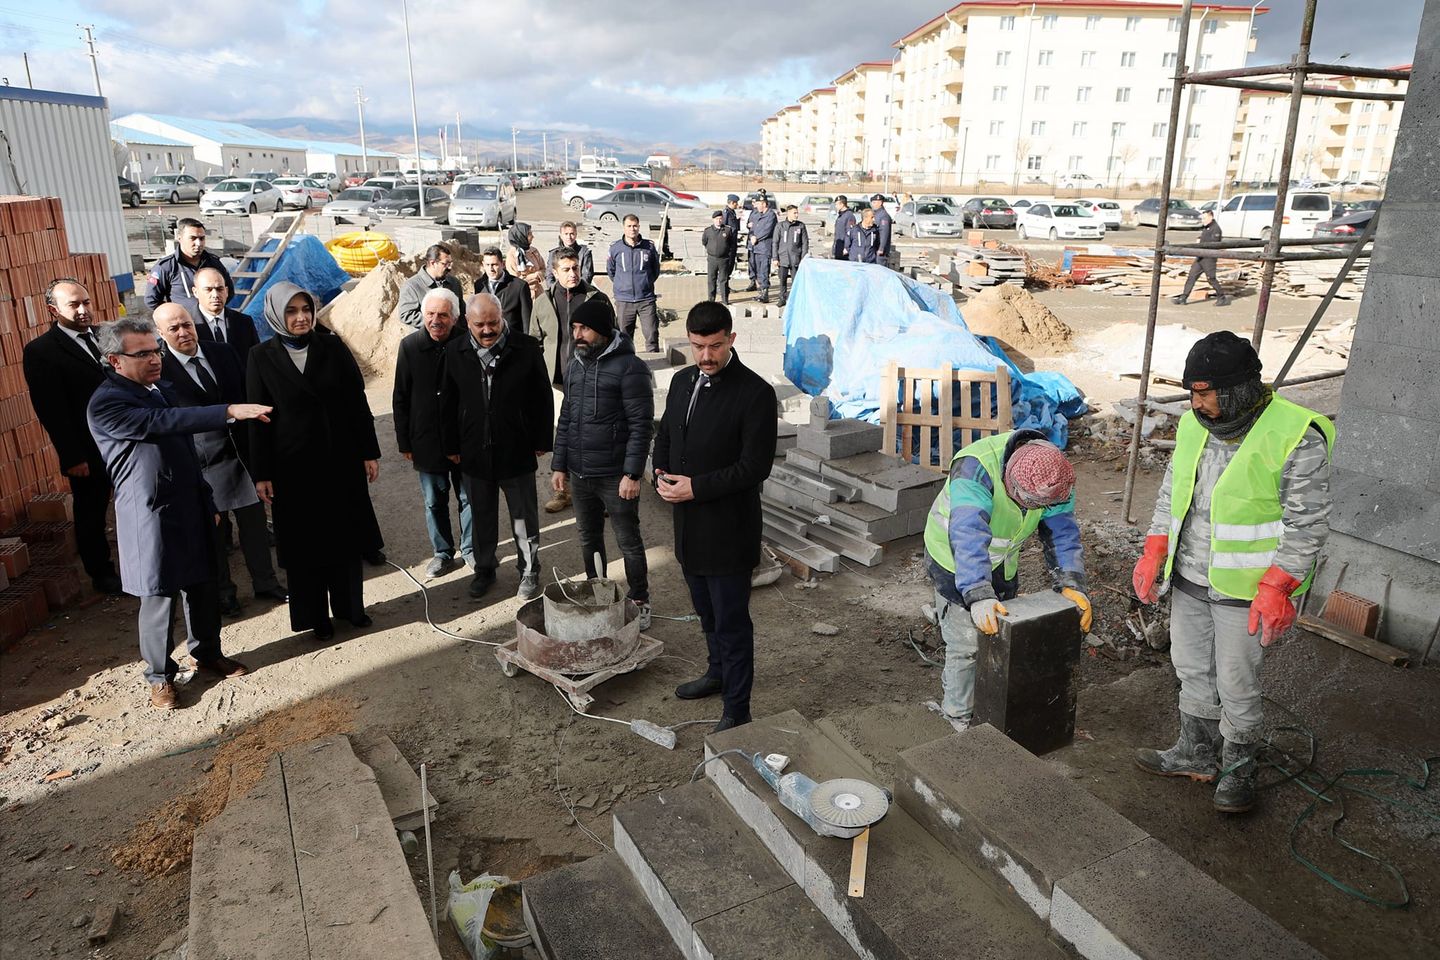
x=231, y=607
x=107, y=583
x=481, y=583
x=325, y=632
x=277, y=594
x=706, y=686
x=375, y=558
x=362, y=621
x=727, y=721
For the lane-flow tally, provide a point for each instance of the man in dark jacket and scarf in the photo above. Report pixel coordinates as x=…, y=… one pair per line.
x=601, y=442
x=497, y=414
x=714, y=450
x=416, y=404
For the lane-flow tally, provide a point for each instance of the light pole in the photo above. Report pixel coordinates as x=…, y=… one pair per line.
x=514, y=156
x=1110, y=158
x=964, y=143
x=1244, y=155
x=414, y=110
x=360, y=106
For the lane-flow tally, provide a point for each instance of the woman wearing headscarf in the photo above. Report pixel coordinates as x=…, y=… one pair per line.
x=525, y=262
x=313, y=461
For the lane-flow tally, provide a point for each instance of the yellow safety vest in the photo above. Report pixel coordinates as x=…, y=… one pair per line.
x=1010, y=526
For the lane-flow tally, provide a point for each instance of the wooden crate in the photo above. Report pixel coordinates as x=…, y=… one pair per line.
x=921, y=414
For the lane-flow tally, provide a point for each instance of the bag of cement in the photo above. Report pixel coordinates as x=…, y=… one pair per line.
x=467, y=906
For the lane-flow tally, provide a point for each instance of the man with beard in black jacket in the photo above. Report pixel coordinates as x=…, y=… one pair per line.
x=601, y=442
x=714, y=450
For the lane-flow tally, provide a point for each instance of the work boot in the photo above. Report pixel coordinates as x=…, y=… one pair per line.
x=162, y=695
x=1222, y=301
x=1193, y=755
x=706, y=686
x=529, y=587
x=558, y=502
x=1180, y=298
x=1235, y=793
x=481, y=583
x=727, y=721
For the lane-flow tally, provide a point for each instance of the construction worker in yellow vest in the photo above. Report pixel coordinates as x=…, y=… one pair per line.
x=1242, y=514
x=1001, y=490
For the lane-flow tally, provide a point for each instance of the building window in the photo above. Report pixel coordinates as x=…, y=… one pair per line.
x=1382, y=129
x=1077, y=129
x=1162, y=95
x=1173, y=25
x=1360, y=131
x=992, y=161
x=1212, y=26
x=1206, y=59
x=1075, y=162
x=1159, y=130
x=1087, y=58
x=1368, y=106
x=1127, y=59
x=996, y=127
x=1007, y=23
x=998, y=94
x=1168, y=60
x=1188, y=166
x=1132, y=24
x=1092, y=22
x=1154, y=164
x=1032, y=162
x=1045, y=58
x=1042, y=93
x=1082, y=94
x=1002, y=58
x=1122, y=94
x=1117, y=129
x=1193, y=131
x=1048, y=21
x=1199, y=94
x=1111, y=163
x=1037, y=128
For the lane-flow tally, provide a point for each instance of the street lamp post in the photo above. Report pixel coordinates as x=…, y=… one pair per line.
x=360, y=105
x=514, y=156
x=414, y=110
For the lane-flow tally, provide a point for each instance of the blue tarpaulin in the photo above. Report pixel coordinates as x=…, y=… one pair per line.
x=845, y=322
x=305, y=263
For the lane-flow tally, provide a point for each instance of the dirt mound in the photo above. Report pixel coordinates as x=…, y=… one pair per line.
x=366, y=319
x=1010, y=314
x=161, y=843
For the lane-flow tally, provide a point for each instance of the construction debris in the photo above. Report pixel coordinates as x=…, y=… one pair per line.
x=987, y=265
x=1128, y=273
x=1313, y=278
x=1011, y=315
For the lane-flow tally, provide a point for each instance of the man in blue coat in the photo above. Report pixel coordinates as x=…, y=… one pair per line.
x=844, y=221
x=633, y=266
x=163, y=507
x=762, y=227
x=884, y=225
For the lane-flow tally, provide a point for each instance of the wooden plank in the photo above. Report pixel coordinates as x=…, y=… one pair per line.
x=398, y=782
x=859, y=855
x=1371, y=648
x=349, y=860
x=244, y=890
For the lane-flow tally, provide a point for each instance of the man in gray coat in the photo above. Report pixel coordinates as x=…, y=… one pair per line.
x=163, y=507
x=435, y=275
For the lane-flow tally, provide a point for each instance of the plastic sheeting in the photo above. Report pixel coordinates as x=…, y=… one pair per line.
x=305, y=263
x=845, y=322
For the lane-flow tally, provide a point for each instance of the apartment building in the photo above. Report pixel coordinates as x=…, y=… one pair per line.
x=1000, y=91
x=1337, y=138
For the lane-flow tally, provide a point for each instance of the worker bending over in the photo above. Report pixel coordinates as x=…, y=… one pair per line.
x=1242, y=514
x=973, y=538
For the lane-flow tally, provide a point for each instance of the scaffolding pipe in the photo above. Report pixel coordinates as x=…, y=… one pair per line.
x=1315, y=69
x=1335, y=92
x=1285, y=242
x=1260, y=256
x=1153, y=311
x=1311, y=378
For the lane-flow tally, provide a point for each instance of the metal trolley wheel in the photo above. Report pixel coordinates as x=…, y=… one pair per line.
x=509, y=669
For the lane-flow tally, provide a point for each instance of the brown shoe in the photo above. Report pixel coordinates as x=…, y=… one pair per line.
x=224, y=666
x=558, y=502
x=162, y=695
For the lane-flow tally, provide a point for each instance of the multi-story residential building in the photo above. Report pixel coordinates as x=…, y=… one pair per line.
x=1337, y=139
x=1003, y=91
x=861, y=95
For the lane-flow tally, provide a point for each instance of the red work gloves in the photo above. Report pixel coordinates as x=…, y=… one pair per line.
x=1149, y=566
x=1272, y=607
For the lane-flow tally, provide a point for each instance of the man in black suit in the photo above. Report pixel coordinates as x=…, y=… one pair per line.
x=163, y=509
x=713, y=451
x=217, y=322
x=200, y=375
x=63, y=367
x=512, y=292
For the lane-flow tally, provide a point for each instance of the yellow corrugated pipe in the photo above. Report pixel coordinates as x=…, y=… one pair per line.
x=360, y=252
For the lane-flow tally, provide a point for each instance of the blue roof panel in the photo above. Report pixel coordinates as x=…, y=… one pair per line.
x=131, y=135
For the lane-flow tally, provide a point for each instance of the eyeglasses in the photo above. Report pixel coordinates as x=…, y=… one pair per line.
x=141, y=354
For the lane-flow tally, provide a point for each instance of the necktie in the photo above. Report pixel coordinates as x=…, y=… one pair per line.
x=701, y=383
x=89, y=340
x=217, y=328
x=207, y=382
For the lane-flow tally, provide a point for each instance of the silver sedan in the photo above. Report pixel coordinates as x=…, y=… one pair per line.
x=355, y=202
x=928, y=219
x=171, y=188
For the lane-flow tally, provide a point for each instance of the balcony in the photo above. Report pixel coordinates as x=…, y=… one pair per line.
x=953, y=79
x=950, y=111
x=956, y=41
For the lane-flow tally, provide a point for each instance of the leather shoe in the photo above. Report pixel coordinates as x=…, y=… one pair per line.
x=706, y=686
x=231, y=607
x=362, y=621
x=325, y=632
x=278, y=594
x=224, y=666
x=107, y=583
x=727, y=721
x=162, y=696
x=481, y=583
x=376, y=558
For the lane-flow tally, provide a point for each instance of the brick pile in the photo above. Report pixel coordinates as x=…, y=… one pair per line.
x=34, y=507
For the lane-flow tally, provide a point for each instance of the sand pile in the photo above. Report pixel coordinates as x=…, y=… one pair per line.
x=1010, y=314
x=365, y=317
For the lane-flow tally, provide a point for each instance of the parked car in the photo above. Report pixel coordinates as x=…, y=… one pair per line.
x=1107, y=210
x=1182, y=216
x=269, y=176
x=586, y=187
x=816, y=204
x=1348, y=226
x=1071, y=180
x=1211, y=205
x=355, y=202
x=385, y=183
x=1059, y=220
x=404, y=201
x=302, y=193
x=992, y=212
x=648, y=205
x=653, y=184
x=207, y=182
x=329, y=181
x=1343, y=207
x=486, y=202
x=1250, y=215
x=171, y=188
x=130, y=192
x=928, y=220
x=1021, y=205
x=242, y=195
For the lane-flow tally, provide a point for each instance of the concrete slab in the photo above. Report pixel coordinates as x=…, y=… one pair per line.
x=876, y=735
x=842, y=438
x=399, y=783
x=693, y=858
x=920, y=901
x=1148, y=903
x=989, y=801
x=1025, y=683
x=783, y=925
x=593, y=910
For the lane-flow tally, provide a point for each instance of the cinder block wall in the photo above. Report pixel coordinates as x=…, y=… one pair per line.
x=1387, y=459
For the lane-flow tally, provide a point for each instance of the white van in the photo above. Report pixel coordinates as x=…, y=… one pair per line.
x=1250, y=215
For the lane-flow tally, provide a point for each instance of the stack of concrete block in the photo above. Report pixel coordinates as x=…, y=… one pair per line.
x=38, y=572
x=835, y=496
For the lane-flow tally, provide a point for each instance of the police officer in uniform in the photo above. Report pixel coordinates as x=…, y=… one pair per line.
x=844, y=222
x=732, y=223
x=762, y=226
x=885, y=225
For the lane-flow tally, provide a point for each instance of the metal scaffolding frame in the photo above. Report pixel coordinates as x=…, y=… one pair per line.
x=1270, y=251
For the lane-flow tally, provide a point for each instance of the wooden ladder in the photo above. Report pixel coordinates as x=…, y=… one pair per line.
x=281, y=229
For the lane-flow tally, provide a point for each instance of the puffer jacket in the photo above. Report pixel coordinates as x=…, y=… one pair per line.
x=608, y=414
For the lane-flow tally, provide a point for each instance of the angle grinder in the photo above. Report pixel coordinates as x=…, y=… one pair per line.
x=842, y=808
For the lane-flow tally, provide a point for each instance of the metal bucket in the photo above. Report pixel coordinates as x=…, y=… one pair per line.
x=577, y=612
x=587, y=653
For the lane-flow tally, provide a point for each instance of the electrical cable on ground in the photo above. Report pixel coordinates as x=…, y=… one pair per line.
x=701, y=765
x=560, y=791
x=425, y=594
x=910, y=638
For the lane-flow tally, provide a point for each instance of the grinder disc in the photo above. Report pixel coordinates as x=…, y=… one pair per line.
x=849, y=803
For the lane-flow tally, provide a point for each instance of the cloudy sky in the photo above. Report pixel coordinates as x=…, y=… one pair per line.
x=679, y=73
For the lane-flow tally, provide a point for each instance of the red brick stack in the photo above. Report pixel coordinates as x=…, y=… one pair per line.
x=34, y=251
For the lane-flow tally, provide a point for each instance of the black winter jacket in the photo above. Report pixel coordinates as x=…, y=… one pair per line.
x=727, y=451
x=419, y=369
x=719, y=242
x=607, y=415
x=496, y=432
x=792, y=243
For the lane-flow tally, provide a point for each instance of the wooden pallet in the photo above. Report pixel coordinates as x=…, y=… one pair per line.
x=926, y=420
x=577, y=689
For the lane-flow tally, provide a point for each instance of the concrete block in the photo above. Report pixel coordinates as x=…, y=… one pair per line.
x=848, y=545
x=1402, y=379
x=886, y=481
x=1025, y=684
x=919, y=901
x=1147, y=901
x=805, y=482
x=1401, y=516
x=784, y=437
x=1008, y=813
x=1396, y=252
x=1397, y=311
x=842, y=438
x=783, y=925
x=593, y=910
x=803, y=459
x=812, y=554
